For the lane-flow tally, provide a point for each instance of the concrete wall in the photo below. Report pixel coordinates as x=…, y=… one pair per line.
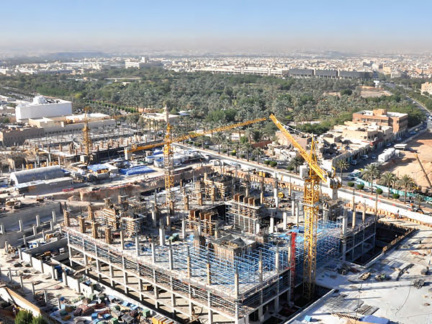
x=10, y=222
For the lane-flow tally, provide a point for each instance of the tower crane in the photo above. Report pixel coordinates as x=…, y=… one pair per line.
x=168, y=153
x=311, y=207
x=86, y=136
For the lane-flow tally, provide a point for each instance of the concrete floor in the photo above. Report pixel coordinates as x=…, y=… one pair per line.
x=398, y=301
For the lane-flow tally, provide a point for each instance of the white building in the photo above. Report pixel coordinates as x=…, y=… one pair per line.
x=43, y=107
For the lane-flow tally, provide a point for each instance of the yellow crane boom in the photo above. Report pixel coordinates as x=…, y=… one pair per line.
x=194, y=135
x=308, y=157
x=311, y=209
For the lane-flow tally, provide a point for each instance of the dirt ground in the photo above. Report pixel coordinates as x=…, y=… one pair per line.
x=409, y=164
x=370, y=92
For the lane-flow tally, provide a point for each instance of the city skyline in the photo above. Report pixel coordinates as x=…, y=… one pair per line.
x=223, y=26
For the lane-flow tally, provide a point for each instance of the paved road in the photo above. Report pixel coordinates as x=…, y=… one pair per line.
x=344, y=192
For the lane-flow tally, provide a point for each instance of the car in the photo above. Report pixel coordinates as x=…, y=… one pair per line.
x=412, y=132
x=365, y=157
x=373, y=156
x=388, y=144
x=354, y=162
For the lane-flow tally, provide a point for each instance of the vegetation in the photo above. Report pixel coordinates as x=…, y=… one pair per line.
x=406, y=183
x=295, y=163
x=26, y=317
x=371, y=173
x=351, y=184
x=342, y=165
x=215, y=99
x=273, y=164
x=388, y=179
x=379, y=191
x=360, y=186
x=396, y=196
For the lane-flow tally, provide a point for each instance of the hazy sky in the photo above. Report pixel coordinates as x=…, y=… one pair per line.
x=216, y=25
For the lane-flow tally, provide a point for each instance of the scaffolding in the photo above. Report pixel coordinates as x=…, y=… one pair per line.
x=328, y=244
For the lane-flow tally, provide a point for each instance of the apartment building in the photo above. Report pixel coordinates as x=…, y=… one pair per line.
x=426, y=88
x=381, y=117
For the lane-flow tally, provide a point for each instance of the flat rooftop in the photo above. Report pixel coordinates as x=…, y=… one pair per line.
x=397, y=300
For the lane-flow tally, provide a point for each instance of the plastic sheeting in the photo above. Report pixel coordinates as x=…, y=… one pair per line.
x=136, y=170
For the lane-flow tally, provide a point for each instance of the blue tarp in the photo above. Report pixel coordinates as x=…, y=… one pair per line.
x=136, y=170
x=97, y=167
x=375, y=319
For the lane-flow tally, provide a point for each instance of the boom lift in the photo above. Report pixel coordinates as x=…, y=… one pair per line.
x=311, y=207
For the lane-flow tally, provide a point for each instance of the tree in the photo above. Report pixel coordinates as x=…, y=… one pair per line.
x=406, y=183
x=388, y=179
x=296, y=162
x=370, y=173
x=39, y=320
x=342, y=165
x=24, y=317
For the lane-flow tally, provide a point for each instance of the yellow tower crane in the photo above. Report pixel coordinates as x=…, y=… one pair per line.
x=86, y=136
x=168, y=153
x=311, y=207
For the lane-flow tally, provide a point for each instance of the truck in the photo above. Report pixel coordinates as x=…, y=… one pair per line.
x=386, y=155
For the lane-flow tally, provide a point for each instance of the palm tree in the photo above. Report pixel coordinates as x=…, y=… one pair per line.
x=342, y=165
x=388, y=179
x=370, y=173
x=406, y=183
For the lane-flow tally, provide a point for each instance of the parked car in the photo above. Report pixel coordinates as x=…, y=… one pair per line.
x=373, y=156
x=365, y=157
x=354, y=162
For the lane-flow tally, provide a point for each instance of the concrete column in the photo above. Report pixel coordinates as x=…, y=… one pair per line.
x=257, y=228
x=285, y=220
x=275, y=190
x=325, y=215
x=209, y=276
x=364, y=214
x=33, y=289
x=354, y=218
x=6, y=246
x=189, y=264
x=236, y=283
x=111, y=270
x=24, y=240
x=170, y=257
x=344, y=222
x=183, y=230
x=34, y=230
x=137, y=245
x=161, y=234
x=21, y=281
x=45, y=296
x=20, y=224
x=260, y=267
x=271, y=229
x=153, y=252
x=37, y=220
x=154, y=219
x=51, y=225
x=2, y=230
x=20, y=253
x=122, y=240
x=54, y=217
x=10, y=274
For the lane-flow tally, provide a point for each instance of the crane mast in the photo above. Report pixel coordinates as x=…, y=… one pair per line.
x=311, y=200
x=86, y=136
x=168, y=166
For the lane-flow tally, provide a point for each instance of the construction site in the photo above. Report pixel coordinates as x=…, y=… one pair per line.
x=208, y=243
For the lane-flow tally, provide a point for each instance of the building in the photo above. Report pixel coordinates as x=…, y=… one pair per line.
x=17, y=135
x=426, y=88
x=43, y=107
x=381, y=117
